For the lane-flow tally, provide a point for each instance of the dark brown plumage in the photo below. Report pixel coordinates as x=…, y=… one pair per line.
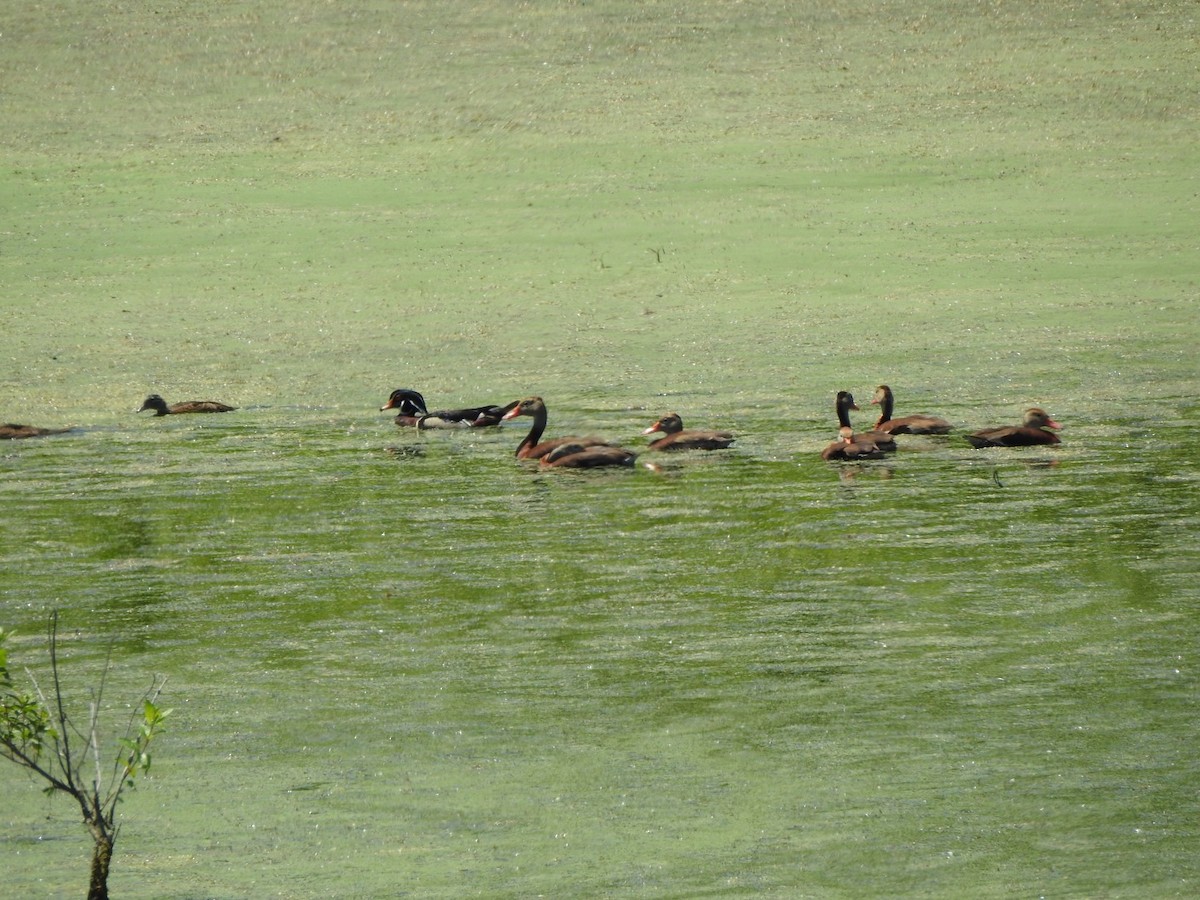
x=159, y=405
x=564, y=449
x=581, y=456
x=917, y=424
x=850, y=446
x=881, y=440
x=676, y=438
x=11, y=431
x=1032, y=431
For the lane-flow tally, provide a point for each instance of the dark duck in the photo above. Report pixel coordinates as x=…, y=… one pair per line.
x=566, y=452
x=580, y=456
x=11, y=431
x=160, y=407
x=850, y=446
x=676, y=437
x=865, y=445
x=916, y=424
x=1036, y=429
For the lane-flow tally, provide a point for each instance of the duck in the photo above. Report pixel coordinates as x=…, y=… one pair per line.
x=1036, y=428
x=11, y=431
x=574, y=455
x=918, y=424
x=159, y=405
x=412, y=412
x=882, y=440
x=675, y=438
x=850, y=446
x=533, y=447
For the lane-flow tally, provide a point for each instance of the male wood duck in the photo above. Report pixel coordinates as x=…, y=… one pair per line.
x=412, y=412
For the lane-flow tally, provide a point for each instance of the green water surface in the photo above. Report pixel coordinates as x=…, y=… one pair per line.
x=406, y=664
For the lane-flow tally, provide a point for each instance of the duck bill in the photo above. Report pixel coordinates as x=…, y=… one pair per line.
x=652, y=429
x=511, y=414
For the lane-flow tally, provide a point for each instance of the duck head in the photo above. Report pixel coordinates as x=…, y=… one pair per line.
x=156, y=403
x=671, y=423
x=530, y=406
x=1036, y=417
x=406, y=402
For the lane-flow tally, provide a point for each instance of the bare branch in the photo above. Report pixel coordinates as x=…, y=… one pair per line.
x=62, y=742
x=35, y=732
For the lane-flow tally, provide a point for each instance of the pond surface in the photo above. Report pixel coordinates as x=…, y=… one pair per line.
x=406, y=664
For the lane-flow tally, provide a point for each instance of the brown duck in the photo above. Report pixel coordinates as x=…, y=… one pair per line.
x=1034, y=430
x=843, y=404
x=851, y=446
x=11, y=431
x=918, y=424
x=159, y=405
x=580, y=456
x=676, y=438
x=564, y=449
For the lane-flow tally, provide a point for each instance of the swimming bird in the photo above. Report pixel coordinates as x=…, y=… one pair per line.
x=533, y=447
x=159, y=405
x=844, y=403
x=11, y=431
x=918, y=424
x=850, y=446
x=582, y=456
x=676, y=438
x=411, y=411
x=1034, y=430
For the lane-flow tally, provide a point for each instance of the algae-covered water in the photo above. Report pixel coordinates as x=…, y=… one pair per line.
x=406, y=664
